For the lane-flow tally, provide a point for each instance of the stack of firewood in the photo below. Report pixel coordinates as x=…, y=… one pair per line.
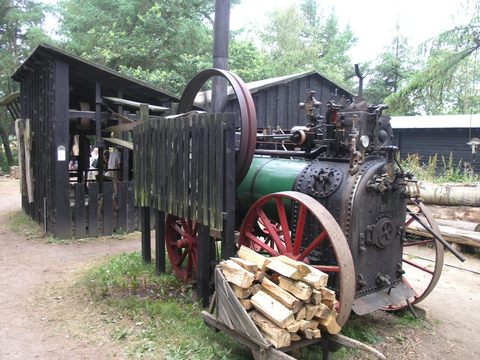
x=288, y=300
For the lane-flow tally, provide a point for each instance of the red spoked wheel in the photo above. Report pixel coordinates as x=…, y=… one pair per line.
x=181, y=240
x=311, y=236
x=421, y=274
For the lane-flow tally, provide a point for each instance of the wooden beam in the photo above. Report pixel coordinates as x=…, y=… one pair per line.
x=134, y=104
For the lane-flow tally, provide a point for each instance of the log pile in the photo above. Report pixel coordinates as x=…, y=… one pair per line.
x=286, y=299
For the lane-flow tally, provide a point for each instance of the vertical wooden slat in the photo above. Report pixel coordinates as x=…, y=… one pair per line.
x=131, y=209
x=107, y=208
x=121, y=225
x=93, y=209
x=228, y=231
x=145, y=229
x=204, y=260
x=79, y=211
x=159, y=241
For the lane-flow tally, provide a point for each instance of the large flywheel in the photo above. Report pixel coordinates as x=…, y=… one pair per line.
x=269, y=228
x=248, y=121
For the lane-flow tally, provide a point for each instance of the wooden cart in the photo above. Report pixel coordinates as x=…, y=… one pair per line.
x=233, y=319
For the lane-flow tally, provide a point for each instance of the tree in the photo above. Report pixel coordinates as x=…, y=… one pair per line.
x=393, y=68
x=300, y=39
x=449, y=81
x=20, y=31
x=163, y=42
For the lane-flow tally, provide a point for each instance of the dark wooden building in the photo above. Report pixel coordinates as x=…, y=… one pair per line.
x=277, y=99
x=68, y=106
x=442, y=135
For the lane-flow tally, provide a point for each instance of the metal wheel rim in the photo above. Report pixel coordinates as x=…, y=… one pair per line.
x=334, y=235
x=248, y=115
x=439, y=259
x=182, y=248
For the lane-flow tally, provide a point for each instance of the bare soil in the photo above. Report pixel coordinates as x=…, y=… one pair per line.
x=45, y=315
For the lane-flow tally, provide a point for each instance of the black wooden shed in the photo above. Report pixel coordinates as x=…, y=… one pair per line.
x=68, y=106
x=441, y=134
x=277, y=99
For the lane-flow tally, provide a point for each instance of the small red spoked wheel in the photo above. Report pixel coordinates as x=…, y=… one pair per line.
x=181, y=240
x=421, y=274
x=312, y=236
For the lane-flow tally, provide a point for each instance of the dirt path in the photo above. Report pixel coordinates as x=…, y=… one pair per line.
x=28, y=267
x=42, y=317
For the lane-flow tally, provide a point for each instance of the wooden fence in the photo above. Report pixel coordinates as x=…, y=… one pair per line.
x=185, y=166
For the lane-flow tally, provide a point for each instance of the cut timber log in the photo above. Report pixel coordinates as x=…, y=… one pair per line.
x=297, y=288
x=304, y=324
x=241, y=293
x=316, y=278
x=293, y=327
x=284, y=269
x=323, y=312
x=464, y=225
x=327, y=294
x=330, y=324
x=314, y=324
x=272, y=309
x=464, y=213
x=247, y=304
x=308, y=333
x=237, y=275
x=300, y=315
x=316, y=297
x=254, y=257
x=277, y=336
x=303, y=268
x=247, y=265
x=450, y=194
x=295, y=337
x=458, y=236
x=259, y=275
x=311, y=311
x=330, y=304
x=282, y=295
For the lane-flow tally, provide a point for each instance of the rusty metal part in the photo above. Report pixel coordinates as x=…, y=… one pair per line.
x=248, y=115
x=271, y=231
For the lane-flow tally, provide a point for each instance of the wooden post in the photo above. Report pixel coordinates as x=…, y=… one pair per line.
x=98, y=135
x=159, y=242
x=145, y=228
x=204, y=259
x=63, y=224
x=228, y=232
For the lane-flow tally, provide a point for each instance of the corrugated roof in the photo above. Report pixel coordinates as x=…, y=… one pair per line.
x=204, y=97
x=436, y=121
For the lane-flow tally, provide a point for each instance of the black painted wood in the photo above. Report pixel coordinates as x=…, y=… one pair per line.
x=62, y=227
x=107, y=208
x=131, y=209
x=159, y=241
x=145, y=228
x=93, y=209
x=79, y=211
x=204, y=261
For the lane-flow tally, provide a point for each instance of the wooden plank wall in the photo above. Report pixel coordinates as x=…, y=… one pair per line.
x=428, y=142
x=277, y=105
x=179, y=165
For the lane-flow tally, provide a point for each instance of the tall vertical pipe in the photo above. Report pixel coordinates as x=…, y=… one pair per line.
x=220, y=53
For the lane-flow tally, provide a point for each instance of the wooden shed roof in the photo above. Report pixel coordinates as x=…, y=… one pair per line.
x=81, y=69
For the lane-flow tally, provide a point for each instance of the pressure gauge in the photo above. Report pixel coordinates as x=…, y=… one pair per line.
x=365, y=141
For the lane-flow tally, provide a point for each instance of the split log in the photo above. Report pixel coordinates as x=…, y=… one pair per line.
x=308, y=333
x=297, y=288
x=293, y=327
x=295, y=337
x=323, y=312
x=330, y=324
x=316, y=297
x=282, y=295
x=311, y=310
x=236, y=274
x=303, y=268
x=284, y=269
x=316, y=278
x=277, y=336
x=250, y=255
x=317, y=334
x=300, y=315
x=240, y=292
x=247, y=265
x=272, y=309
x=246, y=303
x=304, y=324
x=314, y=324
x=327, y=294
x=458, y=236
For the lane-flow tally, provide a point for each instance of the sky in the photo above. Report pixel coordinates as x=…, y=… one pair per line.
x=373, y=21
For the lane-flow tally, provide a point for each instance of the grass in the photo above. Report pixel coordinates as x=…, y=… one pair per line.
x=435, y=170
x=22, y=224
x=154, y=316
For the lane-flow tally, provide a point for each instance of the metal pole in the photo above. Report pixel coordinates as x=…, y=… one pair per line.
x=220, y=53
